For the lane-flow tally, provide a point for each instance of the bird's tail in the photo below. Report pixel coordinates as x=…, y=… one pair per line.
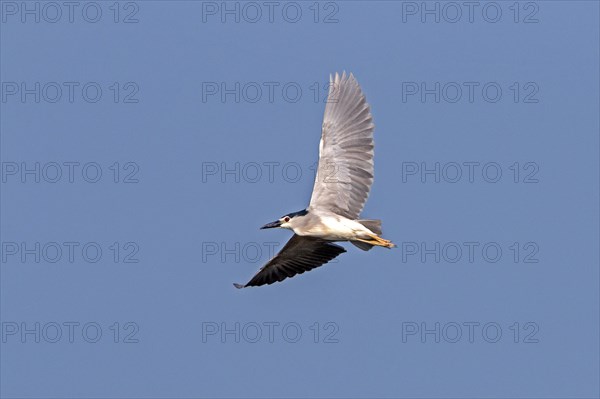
x=372, y=224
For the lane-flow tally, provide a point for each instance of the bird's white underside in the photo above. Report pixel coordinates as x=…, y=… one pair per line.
x=336, y=228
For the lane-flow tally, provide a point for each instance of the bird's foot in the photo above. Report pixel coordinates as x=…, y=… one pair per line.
x=378, y=241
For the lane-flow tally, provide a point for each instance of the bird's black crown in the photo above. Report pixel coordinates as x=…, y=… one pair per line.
x=299, y=213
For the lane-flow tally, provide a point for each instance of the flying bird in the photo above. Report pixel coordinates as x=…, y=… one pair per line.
x=342, y=184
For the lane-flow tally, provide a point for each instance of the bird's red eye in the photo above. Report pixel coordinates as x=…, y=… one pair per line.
x=286, y=219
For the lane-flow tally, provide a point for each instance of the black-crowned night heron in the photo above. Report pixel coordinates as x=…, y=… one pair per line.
x=342, y=185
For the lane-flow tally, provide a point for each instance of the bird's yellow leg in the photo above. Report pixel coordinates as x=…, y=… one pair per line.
x=378, y=241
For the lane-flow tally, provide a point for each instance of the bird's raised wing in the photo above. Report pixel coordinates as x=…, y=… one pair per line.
x=300, y=254
x=345, y=171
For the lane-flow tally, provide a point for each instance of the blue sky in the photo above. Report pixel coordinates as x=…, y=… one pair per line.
x=144, y=144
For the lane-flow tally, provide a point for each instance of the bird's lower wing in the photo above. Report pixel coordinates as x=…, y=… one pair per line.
x=300, y=254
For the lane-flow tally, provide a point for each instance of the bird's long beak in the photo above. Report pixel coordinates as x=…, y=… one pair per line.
x=271, y=225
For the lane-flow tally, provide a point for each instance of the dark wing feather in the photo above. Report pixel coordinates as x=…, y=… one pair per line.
x=300, y=254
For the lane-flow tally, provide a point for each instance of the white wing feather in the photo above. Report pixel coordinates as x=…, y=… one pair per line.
x=345, y=171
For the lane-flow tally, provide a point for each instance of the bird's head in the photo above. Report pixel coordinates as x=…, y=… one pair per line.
x=286, y=221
